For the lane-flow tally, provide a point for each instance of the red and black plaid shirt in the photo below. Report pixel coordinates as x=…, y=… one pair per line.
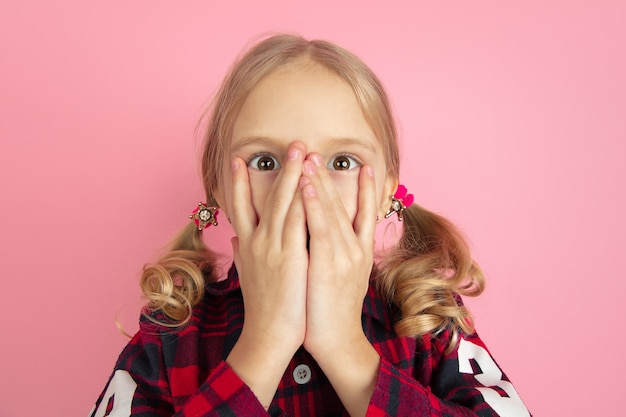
x=183, y=373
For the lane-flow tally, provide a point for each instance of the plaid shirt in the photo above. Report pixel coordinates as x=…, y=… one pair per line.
x=183, y=373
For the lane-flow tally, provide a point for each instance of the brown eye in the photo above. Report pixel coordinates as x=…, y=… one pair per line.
x=263, y=162
x=343, y=163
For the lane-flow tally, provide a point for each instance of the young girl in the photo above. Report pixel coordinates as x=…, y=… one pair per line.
x=301, y=156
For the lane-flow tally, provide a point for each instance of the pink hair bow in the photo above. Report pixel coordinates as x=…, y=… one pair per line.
x=399, y=202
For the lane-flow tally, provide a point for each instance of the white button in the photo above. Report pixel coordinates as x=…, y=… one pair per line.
x=302, y=374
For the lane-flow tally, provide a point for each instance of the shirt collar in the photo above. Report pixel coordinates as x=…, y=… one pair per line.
x=376, y=307
x=224, y=286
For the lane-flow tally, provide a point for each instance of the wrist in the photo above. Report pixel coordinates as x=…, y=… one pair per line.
x=352, y=371
x=328, y=340
x=263, y=348
x=338, y=350
x=260, y=365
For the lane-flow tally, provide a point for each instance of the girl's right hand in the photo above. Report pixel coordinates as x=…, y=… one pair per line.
x=272, y=261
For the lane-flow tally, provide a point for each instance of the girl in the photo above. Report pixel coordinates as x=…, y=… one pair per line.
x=301, y=156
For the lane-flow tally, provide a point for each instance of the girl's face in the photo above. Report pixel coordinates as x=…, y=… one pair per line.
x=306, y=102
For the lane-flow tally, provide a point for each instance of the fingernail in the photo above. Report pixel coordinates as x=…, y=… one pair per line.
x=317, y=160
x=309, y=168
x=293, y=154
x=234, y=165
x=310, y=190
x=369, y=171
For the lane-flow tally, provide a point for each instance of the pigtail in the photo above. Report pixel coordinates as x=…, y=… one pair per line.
x=175, y=282
x=430, y=266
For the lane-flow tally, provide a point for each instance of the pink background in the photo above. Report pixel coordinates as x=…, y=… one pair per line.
x=513, y=125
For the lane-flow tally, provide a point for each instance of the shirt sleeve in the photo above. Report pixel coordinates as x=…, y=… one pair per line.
x=139, y=387
x=465, y=382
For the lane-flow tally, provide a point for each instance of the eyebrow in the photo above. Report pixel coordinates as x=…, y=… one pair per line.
x=252, y=140
x=333, y=142
x=353, y=142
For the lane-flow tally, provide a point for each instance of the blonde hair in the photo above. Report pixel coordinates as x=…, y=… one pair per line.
x=423, y=275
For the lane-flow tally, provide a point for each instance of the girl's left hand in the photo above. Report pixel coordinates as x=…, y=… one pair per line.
x=341, y=257
x=340, y=260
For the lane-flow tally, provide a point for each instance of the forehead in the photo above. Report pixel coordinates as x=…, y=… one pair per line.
x=302, y=101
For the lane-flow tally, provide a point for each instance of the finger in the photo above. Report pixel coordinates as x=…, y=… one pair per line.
x=281, y=195
x=328, y=223
x=365, y=221
x=328, y=195
x=294, y=232
x=243, y=217
x=317, y=219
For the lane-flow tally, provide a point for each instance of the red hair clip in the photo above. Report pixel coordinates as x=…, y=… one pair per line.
x=399, y=202
x=204, y=216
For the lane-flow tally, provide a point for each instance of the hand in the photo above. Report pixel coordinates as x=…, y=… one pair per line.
x=340, y=263
x=272, y=260
x=341, y=258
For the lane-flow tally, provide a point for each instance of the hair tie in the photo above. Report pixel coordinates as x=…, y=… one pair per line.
x=399, y=202
x=204, y=215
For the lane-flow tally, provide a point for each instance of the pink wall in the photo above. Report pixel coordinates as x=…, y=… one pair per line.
x=513, y=125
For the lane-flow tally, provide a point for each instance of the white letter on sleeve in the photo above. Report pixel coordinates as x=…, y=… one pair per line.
x=122, y=388
x=511, y=406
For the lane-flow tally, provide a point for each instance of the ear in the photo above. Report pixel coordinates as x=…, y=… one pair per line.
x=389, y=188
